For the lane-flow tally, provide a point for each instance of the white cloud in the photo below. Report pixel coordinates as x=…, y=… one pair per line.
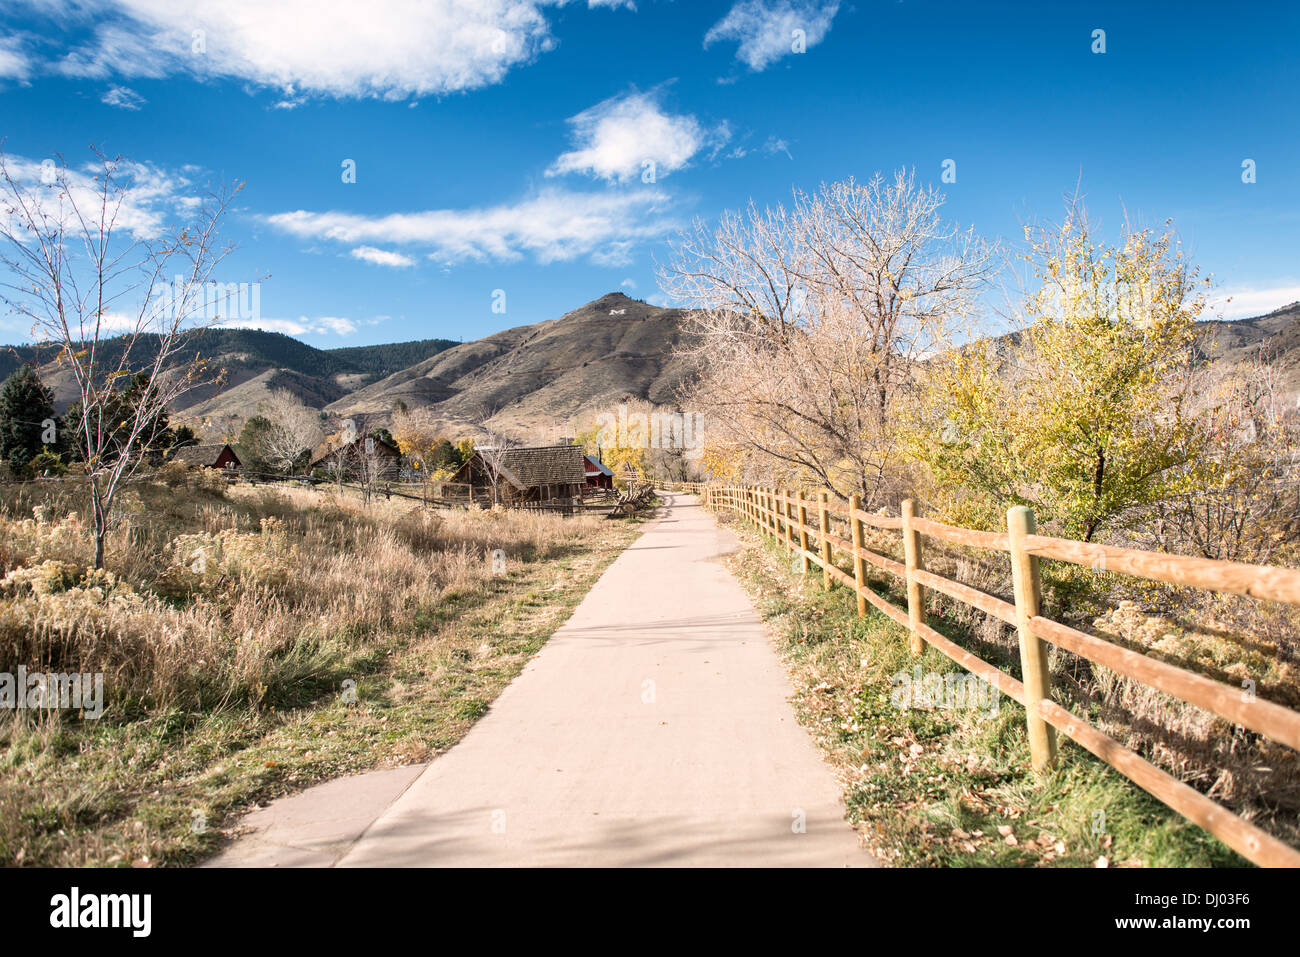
x=554, y=225
x=123, y=97
x=765, y=30
x=302, y=326
x=774, y=145
x=1247, y=302
x=115, y=322
x=14, y=63
x=390, y=49
x=150, y=193
x=628, y=283
x=382, y=257
x=618, y=137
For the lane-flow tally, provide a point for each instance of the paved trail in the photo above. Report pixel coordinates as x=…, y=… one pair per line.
x=652, y=729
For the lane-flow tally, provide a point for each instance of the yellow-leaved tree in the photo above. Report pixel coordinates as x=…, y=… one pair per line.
x=1087, y=414
x=617, y=453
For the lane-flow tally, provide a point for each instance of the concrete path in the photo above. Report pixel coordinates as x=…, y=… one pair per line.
x=654, y=728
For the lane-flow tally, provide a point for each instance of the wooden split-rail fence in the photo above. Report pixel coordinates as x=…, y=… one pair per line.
x=786, y=517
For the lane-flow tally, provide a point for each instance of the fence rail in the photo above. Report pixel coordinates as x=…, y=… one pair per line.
x=785, y=516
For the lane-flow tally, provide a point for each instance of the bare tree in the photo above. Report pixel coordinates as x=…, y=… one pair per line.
x=295, y=429
x=89, y=274
x=492, y=455
x=1244, y=504
x=810, y=320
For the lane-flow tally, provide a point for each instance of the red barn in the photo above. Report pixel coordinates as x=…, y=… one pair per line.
x=207, y=457
x=597, y=474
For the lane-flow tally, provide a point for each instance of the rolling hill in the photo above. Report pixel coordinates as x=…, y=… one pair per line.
x=252, y=362
x=529, y=382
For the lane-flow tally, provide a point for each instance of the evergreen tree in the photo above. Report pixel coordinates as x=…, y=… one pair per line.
x=27, y=420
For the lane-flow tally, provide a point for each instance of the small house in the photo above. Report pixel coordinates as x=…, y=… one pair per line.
x=206, y=457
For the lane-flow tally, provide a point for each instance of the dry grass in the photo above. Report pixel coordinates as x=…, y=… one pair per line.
x=244, y=621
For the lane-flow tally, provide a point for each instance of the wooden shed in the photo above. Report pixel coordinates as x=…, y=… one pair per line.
x=384, y=461
x=598, y=475
x=549, y=473
x=206, y=456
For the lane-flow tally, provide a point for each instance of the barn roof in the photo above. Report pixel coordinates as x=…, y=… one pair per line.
x=200, y=454
x=595, y=465
x=541, y=465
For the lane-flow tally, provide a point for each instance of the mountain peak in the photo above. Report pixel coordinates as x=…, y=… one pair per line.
x=611, y=300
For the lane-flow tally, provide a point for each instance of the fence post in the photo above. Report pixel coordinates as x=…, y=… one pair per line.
x=788, y=507
x=1033, y=650
x=913, y=560
x=859, y=563
x=803, y=534
x=824, y=523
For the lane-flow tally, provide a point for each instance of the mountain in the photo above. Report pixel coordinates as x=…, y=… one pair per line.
x=554, y=375
x=1275, y=337
x=252, y=362
x=531, y=382
x=562, y=372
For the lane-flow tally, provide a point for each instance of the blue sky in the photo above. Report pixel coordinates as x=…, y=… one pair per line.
x=501, y=144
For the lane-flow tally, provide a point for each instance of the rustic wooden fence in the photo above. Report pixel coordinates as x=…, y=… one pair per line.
x=785, y=516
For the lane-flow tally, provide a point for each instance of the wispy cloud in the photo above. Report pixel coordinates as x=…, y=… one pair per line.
x=1245, y=302
x=382, y=257
x=15, y=64
x=774, y=144
x=302, y=326
x=123, y=98
x=767, y=30
x=554, y=225
x=632, y=135
x=150, y=195
x=117, y=322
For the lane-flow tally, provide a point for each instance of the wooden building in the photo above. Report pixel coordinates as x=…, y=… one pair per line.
x=382, y=459
x=598, y=474
x=539, y=474
x=207, y=457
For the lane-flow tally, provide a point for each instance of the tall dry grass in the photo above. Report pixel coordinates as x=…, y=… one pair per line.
x=245, y=596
